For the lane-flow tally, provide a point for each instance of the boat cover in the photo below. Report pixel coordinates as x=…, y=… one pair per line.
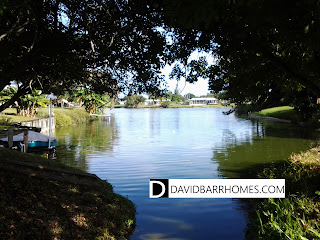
x=32, y=137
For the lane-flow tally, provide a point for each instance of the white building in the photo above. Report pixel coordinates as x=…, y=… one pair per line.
x=203, y=101
x=152, y=102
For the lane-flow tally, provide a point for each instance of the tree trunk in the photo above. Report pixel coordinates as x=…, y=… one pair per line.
x=32, y=111
x=112, y=103
x=20, y=92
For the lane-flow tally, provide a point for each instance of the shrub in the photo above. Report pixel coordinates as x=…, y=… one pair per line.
x=165, y=104
x=4, y=120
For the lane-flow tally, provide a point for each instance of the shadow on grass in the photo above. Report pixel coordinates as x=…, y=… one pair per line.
x=44, y=201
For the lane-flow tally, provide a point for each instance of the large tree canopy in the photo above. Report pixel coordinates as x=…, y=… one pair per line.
x=265, y=50
x=63, y=44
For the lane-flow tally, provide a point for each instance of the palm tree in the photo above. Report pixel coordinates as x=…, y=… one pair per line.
x=91, y=100
x=37, y=100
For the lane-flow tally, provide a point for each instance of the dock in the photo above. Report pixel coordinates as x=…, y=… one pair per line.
x=106, y=116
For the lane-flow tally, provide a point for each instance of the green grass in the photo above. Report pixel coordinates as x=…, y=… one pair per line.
x=66, y=116
x=16, y=119
x=283, y=112
x=41, y=199
x=11, y=113
x=298, y=215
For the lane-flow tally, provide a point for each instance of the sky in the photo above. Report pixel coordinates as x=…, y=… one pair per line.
x=199, y=88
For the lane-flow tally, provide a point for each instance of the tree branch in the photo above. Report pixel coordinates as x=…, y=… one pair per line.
x=300, y=78
x=21, y=91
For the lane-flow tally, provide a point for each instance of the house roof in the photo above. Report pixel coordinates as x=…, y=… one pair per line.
x=208, y=99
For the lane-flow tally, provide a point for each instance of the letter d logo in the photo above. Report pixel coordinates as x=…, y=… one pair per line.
x=158, y=188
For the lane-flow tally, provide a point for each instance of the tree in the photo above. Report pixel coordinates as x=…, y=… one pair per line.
x=266, y=51
x=91, y=100
x=189, y=96
x=132, y=101
x=62, y=45
x=7, y=93
x=33, y=101
x=26, y=105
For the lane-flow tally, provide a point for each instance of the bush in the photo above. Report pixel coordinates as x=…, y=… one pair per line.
x=165, y=104
x=5, y=120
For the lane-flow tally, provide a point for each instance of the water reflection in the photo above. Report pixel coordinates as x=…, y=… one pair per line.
x=267, y=143
x=77, y=142
x=140, y=144
x=154, y=124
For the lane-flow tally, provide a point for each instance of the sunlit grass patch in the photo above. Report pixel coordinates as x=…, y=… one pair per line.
x=283, y=112
x=80, y=220
x=298, y=215
x=66, y=116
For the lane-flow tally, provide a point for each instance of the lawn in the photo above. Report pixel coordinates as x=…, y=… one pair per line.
x=42, y=199
x=11, y=115
x=64, y=116
x=283, y=112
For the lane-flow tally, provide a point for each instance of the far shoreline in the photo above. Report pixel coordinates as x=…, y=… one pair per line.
x=173, y=106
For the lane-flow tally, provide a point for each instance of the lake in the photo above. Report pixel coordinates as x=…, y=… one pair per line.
x=136, y=145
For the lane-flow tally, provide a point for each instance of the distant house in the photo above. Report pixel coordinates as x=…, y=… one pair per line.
x=203, y=101
x=152, y=102
x=122, y=102
x=65, y=103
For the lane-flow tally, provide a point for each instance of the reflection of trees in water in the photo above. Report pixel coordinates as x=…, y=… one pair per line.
x=283, y=130
x=76, y=142
x=154, y=123
x=240, y=156
x=230, y=137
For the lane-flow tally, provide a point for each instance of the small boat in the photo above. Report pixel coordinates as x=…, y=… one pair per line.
x=35, y=140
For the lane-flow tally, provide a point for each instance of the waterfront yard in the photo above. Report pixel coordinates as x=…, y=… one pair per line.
x=64, y=116
x=40, y=199
x=283, y=112
x=297, y=216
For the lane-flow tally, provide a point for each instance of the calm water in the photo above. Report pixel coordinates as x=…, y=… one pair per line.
x=139, y=144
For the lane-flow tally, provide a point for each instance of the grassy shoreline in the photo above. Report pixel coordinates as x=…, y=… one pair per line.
x=175, y=106
x=64, y=116
x=41, y=199
x=298, y=215
x=283, y=112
